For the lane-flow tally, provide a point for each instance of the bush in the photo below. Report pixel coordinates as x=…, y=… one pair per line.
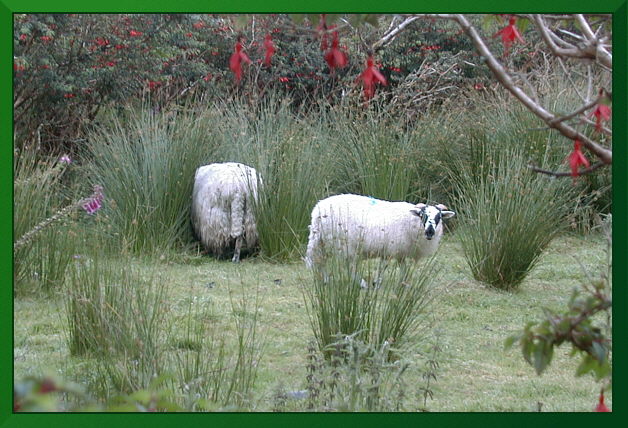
x=341, y=300
x=43, y=237
x=146, y=162
x=507, y=215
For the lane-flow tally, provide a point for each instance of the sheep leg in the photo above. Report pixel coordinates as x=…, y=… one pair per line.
x=236, y=252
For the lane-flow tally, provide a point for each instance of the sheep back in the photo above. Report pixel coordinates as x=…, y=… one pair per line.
x=222, y=206
x=361, y=226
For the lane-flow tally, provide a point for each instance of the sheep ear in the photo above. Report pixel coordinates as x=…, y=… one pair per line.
x=448, y=214
x=441, y=207
x=416, y=212
x=420, y=206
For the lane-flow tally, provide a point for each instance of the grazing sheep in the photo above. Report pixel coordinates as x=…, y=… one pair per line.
x=364, y=227
x=222, y=207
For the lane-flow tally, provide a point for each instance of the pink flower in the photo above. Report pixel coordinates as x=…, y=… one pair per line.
x=601, y=407
x=370, y=77
x=65, y=159
x=270, y=50
x=602, y=112
x=577, y=158
x=334, y=56
x=94, y=202
x=235, y=62
x=509, y=34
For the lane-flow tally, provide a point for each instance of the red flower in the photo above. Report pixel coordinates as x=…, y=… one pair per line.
x=45, y=38
x=577, y=158
x=18, y=67
x=235, y=62
x=284, y=79
x=369, y=77
x=101, y=42
x=23, y=36
x=602, y=112
x=208, y=77
x=111, y=64
x=601, y=407
x=69, y=96
x=134, y=33
x=188, y=34
x=270, y=50
x=334, y=56
x=198, y=25
x=152, y=84
x=509, y=34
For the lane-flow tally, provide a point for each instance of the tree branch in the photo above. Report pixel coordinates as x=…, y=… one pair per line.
x=566, y=174
x=605, y=155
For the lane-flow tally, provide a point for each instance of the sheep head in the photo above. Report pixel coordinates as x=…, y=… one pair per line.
x=431, y=216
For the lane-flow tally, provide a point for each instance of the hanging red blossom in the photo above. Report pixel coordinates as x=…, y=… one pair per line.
x=602, y=112
x=370, y=77
x=198, y=25
x=577, y=158
x=601, y=407
x=509, y=34
x=270, y=50
x=134, y=33
x=334, y=56
x=235, y=62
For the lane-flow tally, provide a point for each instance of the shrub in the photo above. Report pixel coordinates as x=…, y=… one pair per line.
x=342, y=301
x=43, y=238
x=507, y=215
x=146, y=163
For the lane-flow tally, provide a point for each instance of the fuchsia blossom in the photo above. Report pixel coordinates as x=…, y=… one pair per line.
x=577, y=158
x=334, y=56
x=509, y=34
x=270, y=50
x=601, y=407
x=602, y=112
x=370, y=77
x=235, y=62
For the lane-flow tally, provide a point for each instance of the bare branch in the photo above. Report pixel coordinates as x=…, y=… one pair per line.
x=391, y=34
x=566, y=174
x=605, y=155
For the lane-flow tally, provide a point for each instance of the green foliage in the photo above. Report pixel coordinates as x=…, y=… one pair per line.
x=341, y=300
x=146, y=163
x=43, y=240
x=356, y=377
x=374, y=155
x=507, y=215
x=582, y=325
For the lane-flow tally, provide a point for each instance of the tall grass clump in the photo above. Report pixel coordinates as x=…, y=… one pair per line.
x=294, y=160
x=374, y=156
x=43, y=236
x=391, y=312
x=146, y=162
x=507, y=215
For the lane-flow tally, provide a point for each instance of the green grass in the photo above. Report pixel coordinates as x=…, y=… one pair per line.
x=468, y=322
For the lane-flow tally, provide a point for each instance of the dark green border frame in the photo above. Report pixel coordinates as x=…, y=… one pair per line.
x=620, y=24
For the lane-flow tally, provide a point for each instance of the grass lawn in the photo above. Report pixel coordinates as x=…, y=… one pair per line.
x=467, y=321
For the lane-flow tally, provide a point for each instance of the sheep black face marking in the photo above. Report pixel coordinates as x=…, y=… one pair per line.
x=431, y=217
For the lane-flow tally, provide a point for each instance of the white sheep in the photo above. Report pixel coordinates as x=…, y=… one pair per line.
x=364, y=227
x=222, y=207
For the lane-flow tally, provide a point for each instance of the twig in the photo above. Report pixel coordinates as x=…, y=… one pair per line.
x=566, y=174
